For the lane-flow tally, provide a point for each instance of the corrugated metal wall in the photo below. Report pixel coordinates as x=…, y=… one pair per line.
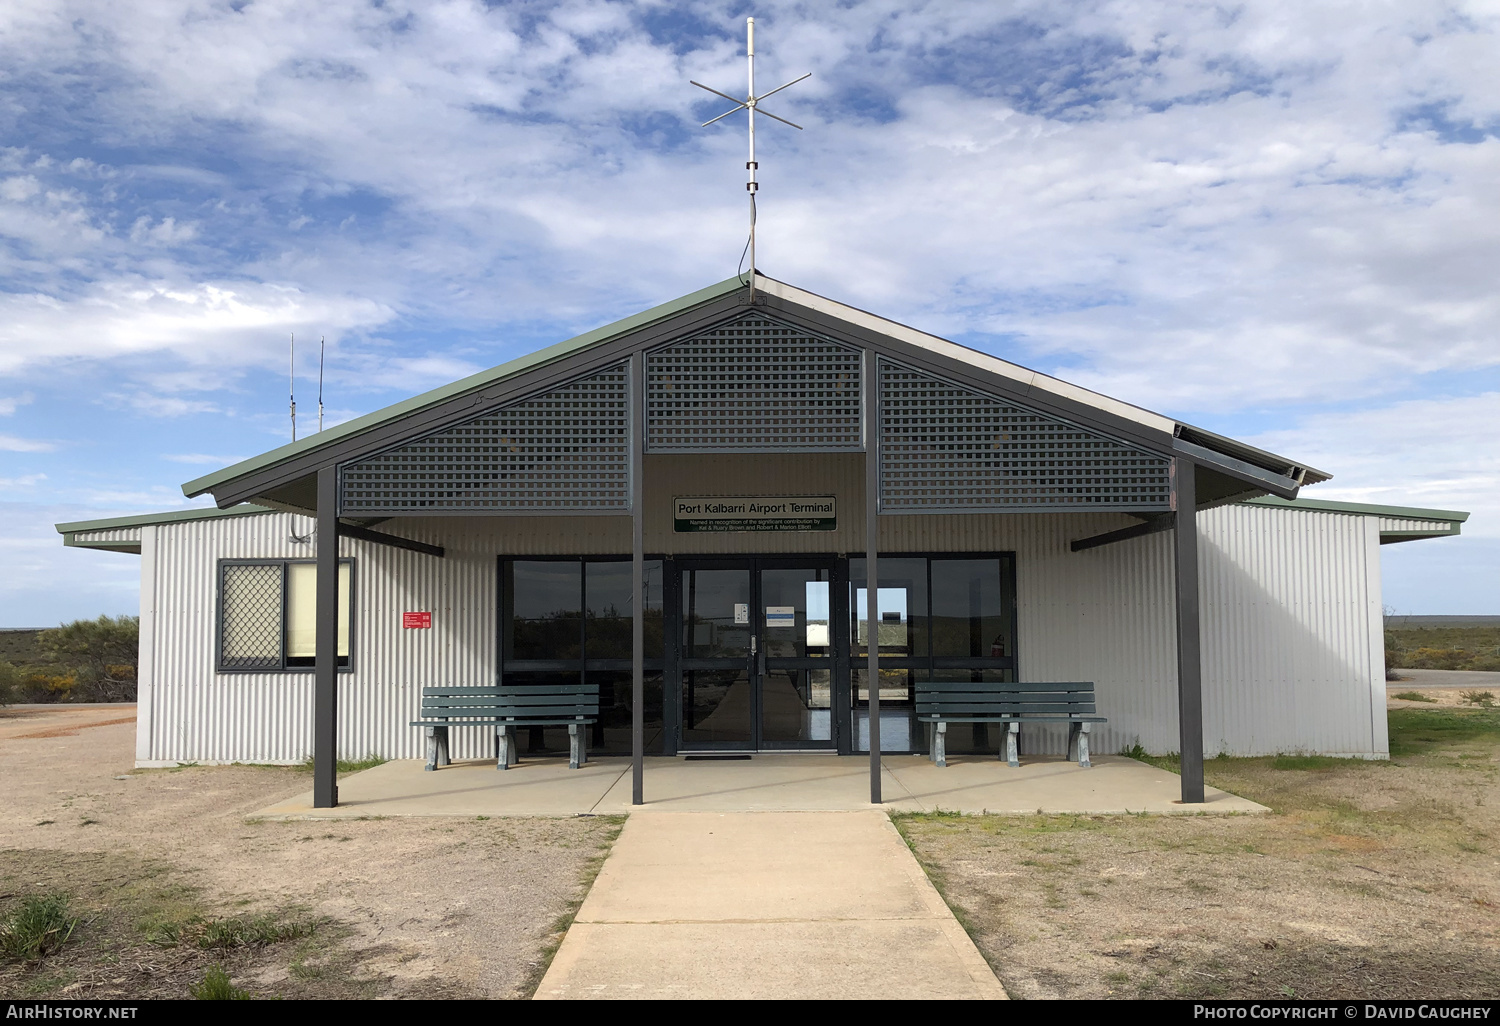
x=1292, y=632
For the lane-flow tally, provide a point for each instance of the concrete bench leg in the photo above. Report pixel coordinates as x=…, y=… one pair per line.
x=575, y=746
x=940, y=744
x=931, y=751
x=437, y=747
x=1013, y=743
x=505, y=741
x=1078, y=741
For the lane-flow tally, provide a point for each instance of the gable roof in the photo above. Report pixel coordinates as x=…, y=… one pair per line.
x=281, y=477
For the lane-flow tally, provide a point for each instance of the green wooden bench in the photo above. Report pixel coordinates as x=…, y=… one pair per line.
x=940, y=703
x=505, y=708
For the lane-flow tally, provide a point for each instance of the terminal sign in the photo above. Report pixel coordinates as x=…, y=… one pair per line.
x=416, y=621
x=724, y=513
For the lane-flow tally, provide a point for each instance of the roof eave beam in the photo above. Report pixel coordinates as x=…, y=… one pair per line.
x=1283, y=486
x=1157, y=524
x=349, y=530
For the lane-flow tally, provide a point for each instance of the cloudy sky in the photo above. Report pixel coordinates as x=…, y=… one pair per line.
x=1278, y=220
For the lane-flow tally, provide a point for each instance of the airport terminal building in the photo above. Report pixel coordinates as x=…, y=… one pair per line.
x=692, y=510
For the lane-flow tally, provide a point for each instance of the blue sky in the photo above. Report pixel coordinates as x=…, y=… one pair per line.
x=1277, y=220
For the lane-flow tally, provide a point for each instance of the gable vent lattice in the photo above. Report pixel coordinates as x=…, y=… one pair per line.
x=753, y=385
x=945, y=447
x=566, y=450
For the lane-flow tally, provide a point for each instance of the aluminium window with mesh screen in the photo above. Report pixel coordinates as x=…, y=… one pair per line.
x=268, y=614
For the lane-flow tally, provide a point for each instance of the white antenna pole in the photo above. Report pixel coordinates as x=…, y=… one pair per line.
x=752, y=186
x=321, y=341
x=291, y=380
x=751, y=103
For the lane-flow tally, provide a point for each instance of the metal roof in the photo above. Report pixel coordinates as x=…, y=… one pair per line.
x=1397, y=523
x=1450, y=518
x=1256, y=470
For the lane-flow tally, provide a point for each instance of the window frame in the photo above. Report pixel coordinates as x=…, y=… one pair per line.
x=346, y=664
x=507, y=663
x=930, y=662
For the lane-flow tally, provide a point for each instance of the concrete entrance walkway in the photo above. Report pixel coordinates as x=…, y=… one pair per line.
x=766, y=783
x=765, y=905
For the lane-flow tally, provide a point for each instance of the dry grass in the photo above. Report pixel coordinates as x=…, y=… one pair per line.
x=1367, y=880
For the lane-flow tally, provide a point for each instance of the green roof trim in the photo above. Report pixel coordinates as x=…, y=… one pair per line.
x=146, y=519
x=472, y=383
x=1364, y=508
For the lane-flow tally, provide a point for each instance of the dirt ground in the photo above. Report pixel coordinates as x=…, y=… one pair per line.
x=1369, y=879
x=157, y=860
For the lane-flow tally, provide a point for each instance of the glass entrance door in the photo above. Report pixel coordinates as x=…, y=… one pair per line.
x=757, y=654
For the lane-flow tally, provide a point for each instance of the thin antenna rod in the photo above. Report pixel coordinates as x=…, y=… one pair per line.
x=751, y=186
x=321, y=341
x=291, y=380
x=751, y=103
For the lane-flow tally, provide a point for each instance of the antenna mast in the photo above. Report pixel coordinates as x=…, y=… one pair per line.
x=321, y=340
x=751, y=103
x=291, y=380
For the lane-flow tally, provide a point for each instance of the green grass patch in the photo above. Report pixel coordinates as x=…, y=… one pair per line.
x=257, y=931
x=1416, y=732
x=1414, y=696
x=37, y=928
x=348, y=765
x=216, y=986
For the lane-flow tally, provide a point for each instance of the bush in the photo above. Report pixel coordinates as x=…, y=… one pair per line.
x=1414, y=696
x=215, y=986
x=1481, y=698
x=239, y=933
x=100, y=658
x=37, y=928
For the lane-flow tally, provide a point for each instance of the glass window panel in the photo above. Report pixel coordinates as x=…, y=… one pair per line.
x=546, y=598
x=302, y=613
x=609, y=612
x=250, y=631
x=611, y=735
x=970, y=616
x=901, y=603
x=716, y=614
x=716, y=707
x=899, y=730
x=795, y=613
x=796, y=705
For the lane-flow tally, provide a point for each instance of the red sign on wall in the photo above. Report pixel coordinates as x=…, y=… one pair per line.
x=410, y=620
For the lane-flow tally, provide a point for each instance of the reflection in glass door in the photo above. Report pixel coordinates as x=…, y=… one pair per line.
x=757, y=655
x=716, y=664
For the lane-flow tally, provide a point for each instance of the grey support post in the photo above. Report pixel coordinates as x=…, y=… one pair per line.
x=1189, y=654
x=637, y=580
x=326, y=645
x=872, y=542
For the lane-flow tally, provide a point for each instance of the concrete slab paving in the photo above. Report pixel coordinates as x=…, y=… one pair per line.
x=1114, y=785
x=766, y=783
x=765, y=905
x=537, y=787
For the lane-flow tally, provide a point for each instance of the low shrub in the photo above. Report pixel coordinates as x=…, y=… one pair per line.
x=1414, y=696
x=37, y=928
x=216, y=986
x=256, y=932
x=1486, y=699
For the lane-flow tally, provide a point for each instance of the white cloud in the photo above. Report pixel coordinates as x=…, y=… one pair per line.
x=223, y=325
x=24, y=481
x=10, y=443
x=9, y=404
x=1437, y=453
